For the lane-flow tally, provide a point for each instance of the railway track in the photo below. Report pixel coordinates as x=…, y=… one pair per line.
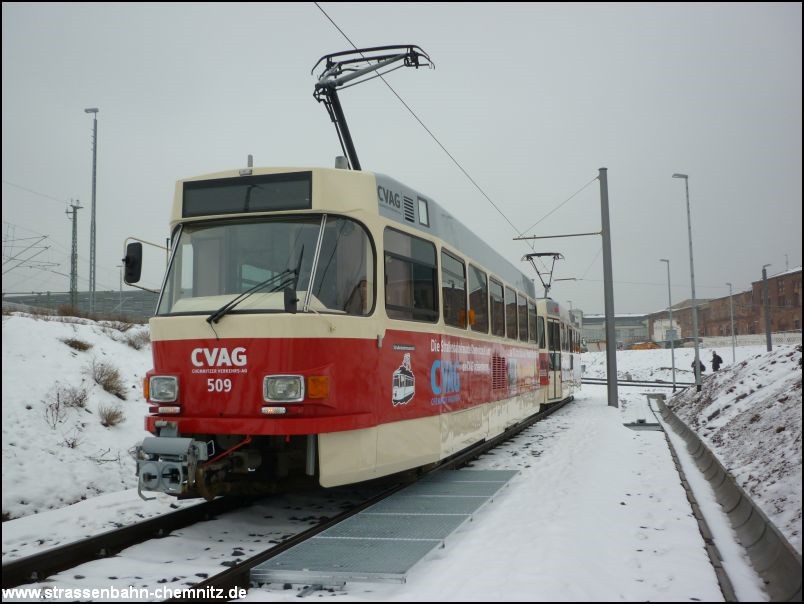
x=238, y=576
x=638, y=383
x=38, y=567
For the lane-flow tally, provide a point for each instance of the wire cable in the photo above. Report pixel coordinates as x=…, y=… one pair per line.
x=422, y=124
x=35, y=192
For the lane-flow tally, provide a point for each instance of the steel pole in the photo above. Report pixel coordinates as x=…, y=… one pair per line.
x=697, y=365
x=731, y=314
x=768, y=342
x=94, y=112
x=608, y=292
x=672, y=329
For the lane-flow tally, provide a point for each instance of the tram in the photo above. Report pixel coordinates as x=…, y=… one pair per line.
x=331, y=326
x=334, y=326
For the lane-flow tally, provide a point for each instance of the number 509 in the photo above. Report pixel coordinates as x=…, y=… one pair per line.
x=219, y=385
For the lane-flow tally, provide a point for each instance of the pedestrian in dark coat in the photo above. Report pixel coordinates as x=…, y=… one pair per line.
x=716, y=361
x=702, y=366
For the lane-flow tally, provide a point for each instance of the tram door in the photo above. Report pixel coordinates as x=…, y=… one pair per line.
x=554, y=346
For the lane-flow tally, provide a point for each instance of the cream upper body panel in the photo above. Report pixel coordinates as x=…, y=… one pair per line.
x=334, y=190
x=362, y=196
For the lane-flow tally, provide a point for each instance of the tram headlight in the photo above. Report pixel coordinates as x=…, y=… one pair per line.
x=283, y=388
x=163, y=388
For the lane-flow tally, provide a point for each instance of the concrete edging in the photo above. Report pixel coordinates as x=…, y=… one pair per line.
x=771, y=555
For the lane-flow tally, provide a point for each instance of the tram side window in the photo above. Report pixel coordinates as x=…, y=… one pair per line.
x=532, y=329
x=510, y=313
x=478, y=299
x=497, y=309
x=411, y=290
x=453, y=288
x=540, y=325
x=523, y=317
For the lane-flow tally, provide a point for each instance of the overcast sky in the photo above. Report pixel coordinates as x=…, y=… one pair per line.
x=531, y=99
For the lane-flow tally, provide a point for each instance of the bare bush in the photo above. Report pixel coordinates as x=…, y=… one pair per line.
x=111, y=327
x=68, y=310
x=73, y=440
x=77, y=344
x=108, y=378
x=110, y=416
x=138, y=340
x=74, y=398
x=54, y=412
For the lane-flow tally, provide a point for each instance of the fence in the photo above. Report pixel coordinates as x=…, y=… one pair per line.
x=777, y=339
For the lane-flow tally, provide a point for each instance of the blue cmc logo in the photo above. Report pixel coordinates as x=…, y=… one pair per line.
x=450, y=378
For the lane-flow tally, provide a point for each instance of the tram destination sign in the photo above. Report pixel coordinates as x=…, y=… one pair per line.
x=243, y=194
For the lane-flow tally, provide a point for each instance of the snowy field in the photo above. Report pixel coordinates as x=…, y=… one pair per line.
x=596, y=513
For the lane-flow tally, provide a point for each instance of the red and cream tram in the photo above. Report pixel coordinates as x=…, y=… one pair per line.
x=333, y=326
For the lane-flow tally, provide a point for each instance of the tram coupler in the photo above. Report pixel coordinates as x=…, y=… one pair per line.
x=168, y=464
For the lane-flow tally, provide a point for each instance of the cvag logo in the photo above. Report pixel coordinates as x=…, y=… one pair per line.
x=388, y=197
x=218, y=357
x=445, y=377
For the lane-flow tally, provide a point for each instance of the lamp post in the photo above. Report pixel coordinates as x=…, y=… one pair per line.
x=94, y=112
x=768, y=342
x=692, y=284
x=672, y=331
x=731, y=314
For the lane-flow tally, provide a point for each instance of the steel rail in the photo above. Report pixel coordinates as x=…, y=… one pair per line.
x=638, y=383
x=37, y=567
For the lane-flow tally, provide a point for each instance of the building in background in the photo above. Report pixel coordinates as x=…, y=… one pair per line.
x=628, y=329
x=714, y=315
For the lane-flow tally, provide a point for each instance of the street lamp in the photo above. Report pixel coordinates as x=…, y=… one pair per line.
x=692, y=283
x=768, y=342
x=94, y=112
x=731, y=314
x=671, y=331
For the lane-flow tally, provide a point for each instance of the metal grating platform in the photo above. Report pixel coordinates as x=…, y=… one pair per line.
x=382, y=543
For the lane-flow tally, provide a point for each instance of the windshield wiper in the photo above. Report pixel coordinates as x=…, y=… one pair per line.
x=216, y=316
x=284, y=278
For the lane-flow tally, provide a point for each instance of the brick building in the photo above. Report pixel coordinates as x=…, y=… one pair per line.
x=784, y=296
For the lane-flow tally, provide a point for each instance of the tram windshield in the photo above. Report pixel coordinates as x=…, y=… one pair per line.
x=215, y=262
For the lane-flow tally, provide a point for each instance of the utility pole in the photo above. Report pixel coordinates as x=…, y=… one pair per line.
x=608, y=291
x=731, y=314
x=74, y=254
x=608, y=283
x=768, y=342
x=94, y=112
x=671, y=332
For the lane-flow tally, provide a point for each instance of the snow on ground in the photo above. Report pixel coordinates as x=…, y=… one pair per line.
x=596, y=513
x=55, y=450
x=748, y=413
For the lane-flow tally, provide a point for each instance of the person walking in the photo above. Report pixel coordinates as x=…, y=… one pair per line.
x=716, y=361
